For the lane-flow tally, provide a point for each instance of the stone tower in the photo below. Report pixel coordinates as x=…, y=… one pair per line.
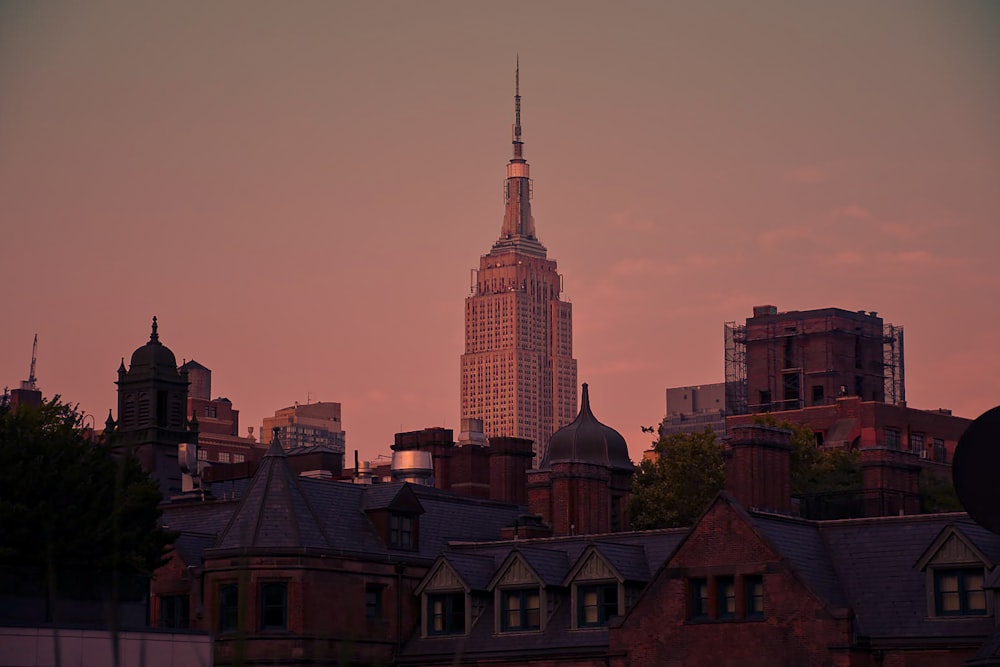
x=152, y=408
x=518, y=370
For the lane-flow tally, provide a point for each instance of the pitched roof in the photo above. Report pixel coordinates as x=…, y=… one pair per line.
x=876, y=562
x=800, y=543
x=274, y=513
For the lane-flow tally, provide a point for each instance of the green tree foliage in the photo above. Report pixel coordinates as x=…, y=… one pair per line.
x=69, y=504
x=675, y=489
x=937, y=494
x=816, y=470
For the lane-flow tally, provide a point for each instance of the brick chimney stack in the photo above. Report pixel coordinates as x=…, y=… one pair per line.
x=758, y=467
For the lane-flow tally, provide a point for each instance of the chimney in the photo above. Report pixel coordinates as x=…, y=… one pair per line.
x=890, y=479
x=758, y=467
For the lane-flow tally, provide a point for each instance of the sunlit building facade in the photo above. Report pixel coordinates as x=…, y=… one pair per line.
x=518, y=371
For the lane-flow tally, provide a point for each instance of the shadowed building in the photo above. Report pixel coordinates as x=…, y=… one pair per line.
x=152, y=406
x=518, y=371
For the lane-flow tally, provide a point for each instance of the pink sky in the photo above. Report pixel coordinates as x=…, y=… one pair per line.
x=299, y=190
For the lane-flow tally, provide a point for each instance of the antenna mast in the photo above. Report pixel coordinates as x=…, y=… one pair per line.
x=34, y=356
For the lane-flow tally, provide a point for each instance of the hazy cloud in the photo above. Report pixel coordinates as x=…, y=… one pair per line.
x=851, y=211
x=808, y=174
x=630, y=222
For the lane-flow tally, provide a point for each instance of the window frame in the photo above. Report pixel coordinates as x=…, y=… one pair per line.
x=605, y=604
x=725, y=597
x=962, y=591
x=698, y=599
x=266, y=607
x=402, y=531
x=374, y=607
x=753, y=589
x=175, y=611
x=229, y=608
x=523, y=611
x=452, y=615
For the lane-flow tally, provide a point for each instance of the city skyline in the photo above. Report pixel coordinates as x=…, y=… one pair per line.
x=299, y=194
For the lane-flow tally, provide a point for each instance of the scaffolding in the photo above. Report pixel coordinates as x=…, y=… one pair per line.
x=736, y=368
x=892, y=364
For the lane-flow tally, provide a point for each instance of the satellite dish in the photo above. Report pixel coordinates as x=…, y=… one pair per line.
x=975, y=470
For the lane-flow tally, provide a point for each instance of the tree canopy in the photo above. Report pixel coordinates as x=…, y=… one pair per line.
x=68, y=503
x=676, y=487
x=689, y=469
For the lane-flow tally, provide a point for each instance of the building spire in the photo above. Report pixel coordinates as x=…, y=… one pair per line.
x=518, y=224
x=153, y=336
x=516, y=140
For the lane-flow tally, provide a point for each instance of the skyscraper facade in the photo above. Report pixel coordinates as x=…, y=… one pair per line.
x=518, y=370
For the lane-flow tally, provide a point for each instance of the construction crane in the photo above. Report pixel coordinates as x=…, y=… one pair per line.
x=29, y=384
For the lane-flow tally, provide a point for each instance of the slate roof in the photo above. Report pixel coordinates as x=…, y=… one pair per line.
x=279, y=511
x=552, y=565
x=637, y=555
x=274, y=513
x=800, y=542
x=474, y=569
x=628, y=559
x=875, y=560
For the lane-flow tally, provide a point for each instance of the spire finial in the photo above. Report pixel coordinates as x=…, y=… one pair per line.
x=517, y=109
x=585, y=399
x=153, y=336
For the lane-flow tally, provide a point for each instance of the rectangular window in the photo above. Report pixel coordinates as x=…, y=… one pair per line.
x=228, y=608
x=940, y=453
x=175, y=611
x=239, y=458
x=401, y=531
x=959, y=592
x=519, y=610
x=699, y=598
x=274, y=605
x=725, y=591
x=202, y=454
x=916, y=442
x=446, y=614
x=596, y=604
x=223, y=457
x=753, y=596
x=373, y=601
x=892, y=438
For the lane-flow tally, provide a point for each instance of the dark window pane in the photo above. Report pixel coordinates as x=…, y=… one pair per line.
x=273, y=606
x=228, y=608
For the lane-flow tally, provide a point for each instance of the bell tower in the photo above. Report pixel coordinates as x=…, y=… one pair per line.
x=152, y=402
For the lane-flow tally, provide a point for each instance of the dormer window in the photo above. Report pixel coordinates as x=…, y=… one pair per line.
x=401, y=531
x=955, y=570
x=595, y=604
x=959, y=592
x=520, y=610
x=446, y=613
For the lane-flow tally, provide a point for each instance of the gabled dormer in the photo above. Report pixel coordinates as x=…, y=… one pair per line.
x=395, y=513
x=604, y=583
x=956, y=571
x=453, y=594
x=526, y=589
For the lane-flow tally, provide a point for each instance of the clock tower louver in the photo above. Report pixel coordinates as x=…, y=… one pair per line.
x=518, y=370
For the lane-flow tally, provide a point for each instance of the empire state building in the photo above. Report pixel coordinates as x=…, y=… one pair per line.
x=518, y=370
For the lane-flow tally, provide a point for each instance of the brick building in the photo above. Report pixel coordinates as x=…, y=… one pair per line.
x=310, y=571
x=219, y=441
x=748, y=584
